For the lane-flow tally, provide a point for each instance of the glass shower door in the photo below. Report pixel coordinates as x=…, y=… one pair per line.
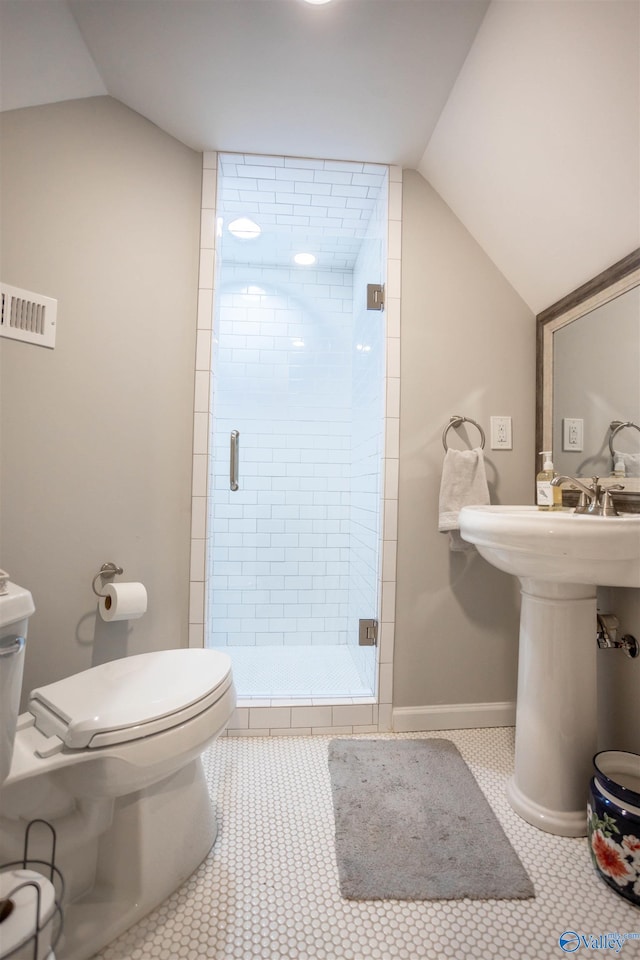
x=295, y=484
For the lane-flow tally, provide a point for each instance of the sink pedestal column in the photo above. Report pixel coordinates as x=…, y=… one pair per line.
x=556, y=712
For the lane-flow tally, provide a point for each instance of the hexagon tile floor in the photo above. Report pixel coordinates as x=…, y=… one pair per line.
x=269, y=888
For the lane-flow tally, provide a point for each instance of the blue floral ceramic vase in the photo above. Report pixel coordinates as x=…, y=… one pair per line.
x=614, y=821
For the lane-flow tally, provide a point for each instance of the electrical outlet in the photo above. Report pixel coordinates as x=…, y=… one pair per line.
x=501, y=433
x=572, y=433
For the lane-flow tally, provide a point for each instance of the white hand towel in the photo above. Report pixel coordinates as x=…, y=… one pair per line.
x=631, y=464
x=464, y=483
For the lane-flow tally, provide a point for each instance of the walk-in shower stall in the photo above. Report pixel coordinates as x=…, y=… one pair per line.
x=297, y=424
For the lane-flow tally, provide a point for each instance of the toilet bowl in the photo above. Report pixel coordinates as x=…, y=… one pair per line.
x=111, y=757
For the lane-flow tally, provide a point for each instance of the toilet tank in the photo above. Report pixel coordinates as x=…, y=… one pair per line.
x=16, y=606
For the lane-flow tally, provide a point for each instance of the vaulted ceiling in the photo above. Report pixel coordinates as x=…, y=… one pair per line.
x=524, y=115
x=348, y=80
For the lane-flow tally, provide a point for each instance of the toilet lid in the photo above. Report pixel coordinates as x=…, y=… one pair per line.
x=131, y=698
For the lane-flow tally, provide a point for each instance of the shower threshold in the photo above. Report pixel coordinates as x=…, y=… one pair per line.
x=303, y=672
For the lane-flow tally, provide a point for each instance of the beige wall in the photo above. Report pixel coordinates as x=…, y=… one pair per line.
x=619, y=675
x=467, y=347
x=100, y=210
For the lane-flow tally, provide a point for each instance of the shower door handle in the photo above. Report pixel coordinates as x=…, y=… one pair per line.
x=234, y=459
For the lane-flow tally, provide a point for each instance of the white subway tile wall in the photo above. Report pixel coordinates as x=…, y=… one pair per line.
x=302, y=370
x=367, y=439
x=279, y=560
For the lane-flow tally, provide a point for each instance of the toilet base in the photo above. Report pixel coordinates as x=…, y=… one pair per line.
x=158, y=837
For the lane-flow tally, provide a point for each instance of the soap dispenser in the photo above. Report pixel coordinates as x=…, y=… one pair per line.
x=547, y=496
x=619, y=466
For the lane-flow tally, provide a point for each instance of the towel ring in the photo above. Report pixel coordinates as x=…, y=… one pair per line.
x=455, y=422
x=615, y=427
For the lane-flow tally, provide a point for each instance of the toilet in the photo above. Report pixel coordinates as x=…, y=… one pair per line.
x=111, y=758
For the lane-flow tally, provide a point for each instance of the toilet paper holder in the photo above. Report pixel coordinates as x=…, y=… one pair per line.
x=107, y=572
x=44, y=866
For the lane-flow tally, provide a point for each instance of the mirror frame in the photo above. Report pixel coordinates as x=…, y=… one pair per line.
x=611, y=283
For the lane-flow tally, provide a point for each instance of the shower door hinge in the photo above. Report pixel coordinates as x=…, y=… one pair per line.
x=367, y=633
x=375, y=296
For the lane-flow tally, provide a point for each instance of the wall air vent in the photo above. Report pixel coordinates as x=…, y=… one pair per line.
x=27, y=316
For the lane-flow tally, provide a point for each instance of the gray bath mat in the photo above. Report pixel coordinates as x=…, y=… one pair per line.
x=413, y=824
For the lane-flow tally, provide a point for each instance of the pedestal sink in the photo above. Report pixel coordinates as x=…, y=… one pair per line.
x=560, y=557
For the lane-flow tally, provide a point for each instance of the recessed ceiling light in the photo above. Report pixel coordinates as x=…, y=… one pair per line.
x=244, y=229
x=304, y=259
x=316, y=2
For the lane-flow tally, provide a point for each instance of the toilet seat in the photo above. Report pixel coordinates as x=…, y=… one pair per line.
x=131, y=698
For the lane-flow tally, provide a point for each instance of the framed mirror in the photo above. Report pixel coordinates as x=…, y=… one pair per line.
x=588, y=380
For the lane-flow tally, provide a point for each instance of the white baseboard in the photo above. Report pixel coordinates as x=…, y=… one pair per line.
x=454, y=716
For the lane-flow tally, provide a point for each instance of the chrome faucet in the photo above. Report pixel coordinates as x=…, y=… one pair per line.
x=594, y=498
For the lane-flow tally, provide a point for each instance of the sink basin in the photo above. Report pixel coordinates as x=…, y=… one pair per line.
x=557, y=545
x=560, y=557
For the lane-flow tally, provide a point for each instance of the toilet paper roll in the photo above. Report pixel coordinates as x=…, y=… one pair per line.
x=32, y=898
x=123, y=601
